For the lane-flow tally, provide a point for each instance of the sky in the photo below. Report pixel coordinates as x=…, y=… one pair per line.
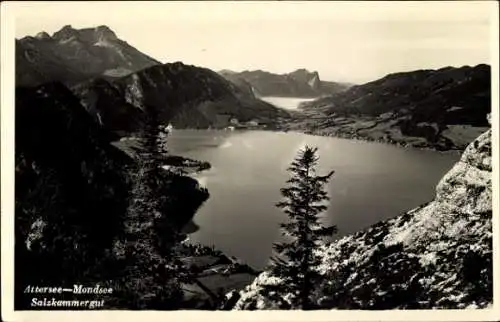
x=344, y=41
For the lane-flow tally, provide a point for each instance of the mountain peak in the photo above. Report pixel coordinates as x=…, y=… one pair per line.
x=105, y=32
x=86, y=34
x=66, y=32
x=73, y=55
x=42, y=35
x=67, y=27
x=302, y=70
x=311, y=78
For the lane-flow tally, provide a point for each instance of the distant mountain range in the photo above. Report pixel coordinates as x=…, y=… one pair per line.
x=441, y=109
x=74, y=55
x=445, y=108
x=300, y=83
x=114, y=81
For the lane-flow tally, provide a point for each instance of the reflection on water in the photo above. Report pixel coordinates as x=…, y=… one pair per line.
x=371, y=182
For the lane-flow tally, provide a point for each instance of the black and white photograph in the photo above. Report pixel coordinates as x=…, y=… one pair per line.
x=285, y=156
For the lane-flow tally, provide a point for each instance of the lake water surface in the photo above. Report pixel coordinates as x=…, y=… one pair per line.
x=289, y=103
x=372, y=182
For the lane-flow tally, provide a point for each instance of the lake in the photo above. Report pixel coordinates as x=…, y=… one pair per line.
x=372, y=182
x=289, y=103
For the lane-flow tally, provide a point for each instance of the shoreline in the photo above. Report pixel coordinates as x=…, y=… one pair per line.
x=280, y=129
x=312, y=133
x=368, y=140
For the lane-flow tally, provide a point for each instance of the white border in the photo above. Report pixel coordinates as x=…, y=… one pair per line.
x=7, y=154
x=7, y=196
x=495, y=121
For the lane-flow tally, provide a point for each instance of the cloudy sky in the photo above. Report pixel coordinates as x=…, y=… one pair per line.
x=343, y=41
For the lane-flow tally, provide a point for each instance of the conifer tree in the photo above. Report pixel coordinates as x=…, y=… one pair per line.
x=154, y=248
x=153, y=272
x=295, y=262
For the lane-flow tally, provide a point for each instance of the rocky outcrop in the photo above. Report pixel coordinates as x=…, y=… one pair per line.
x=300, y=83
x=436, y=256
x=441, y=109
x=186, y=96
x=304, y=76
x=75, y=55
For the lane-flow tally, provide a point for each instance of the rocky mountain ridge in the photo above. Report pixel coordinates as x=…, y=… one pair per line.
x=299, y=83
x=438, y=255
x=74, y=55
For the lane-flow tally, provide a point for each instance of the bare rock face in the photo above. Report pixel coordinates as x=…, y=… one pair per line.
x=467, y=187
x=75, y=55
x=436, y=256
